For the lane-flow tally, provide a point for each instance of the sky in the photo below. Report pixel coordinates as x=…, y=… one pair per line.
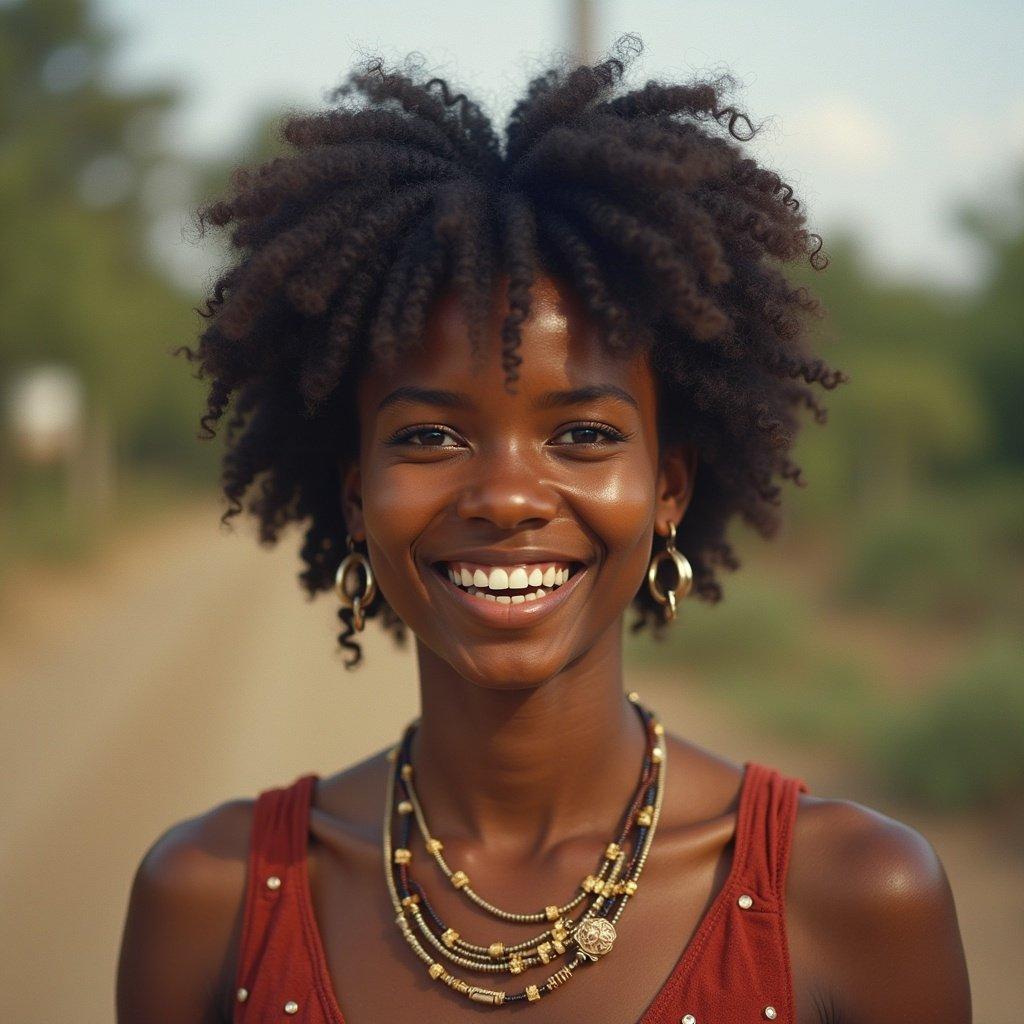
x=884, y=117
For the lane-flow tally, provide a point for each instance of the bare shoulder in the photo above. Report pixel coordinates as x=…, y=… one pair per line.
x=183, y=921
x=870, y=905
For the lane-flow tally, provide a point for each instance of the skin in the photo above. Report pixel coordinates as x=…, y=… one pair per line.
x=871, y=922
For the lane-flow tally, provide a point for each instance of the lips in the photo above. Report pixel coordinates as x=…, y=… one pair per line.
x=497, y=602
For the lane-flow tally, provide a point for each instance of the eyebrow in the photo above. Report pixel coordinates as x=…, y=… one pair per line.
x=549, y=400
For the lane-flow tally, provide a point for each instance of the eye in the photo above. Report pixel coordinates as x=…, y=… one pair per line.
x=587, y=434
x=430, y=436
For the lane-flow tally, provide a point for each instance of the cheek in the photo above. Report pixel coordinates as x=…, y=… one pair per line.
x=397, y=509
x=618, y=507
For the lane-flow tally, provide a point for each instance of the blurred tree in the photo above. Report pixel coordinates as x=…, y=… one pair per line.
x=995, y=349
x=909, y=407
x=76, y=282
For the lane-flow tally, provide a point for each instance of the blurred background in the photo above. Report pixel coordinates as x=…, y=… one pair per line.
x=153, y=663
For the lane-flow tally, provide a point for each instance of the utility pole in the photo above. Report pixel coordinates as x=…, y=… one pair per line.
x=582, y=15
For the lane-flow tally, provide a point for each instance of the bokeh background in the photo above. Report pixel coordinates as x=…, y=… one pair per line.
x=154, y=663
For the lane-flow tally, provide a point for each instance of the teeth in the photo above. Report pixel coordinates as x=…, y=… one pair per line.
x=480, y=583
x=517, y=579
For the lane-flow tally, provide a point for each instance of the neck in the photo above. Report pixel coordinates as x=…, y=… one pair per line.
x=522, y=769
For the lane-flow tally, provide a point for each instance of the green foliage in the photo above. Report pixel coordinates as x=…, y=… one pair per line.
x=823, y=700
x=995, y=355
x=963, y=745
x=756, y=620
x=940, y=557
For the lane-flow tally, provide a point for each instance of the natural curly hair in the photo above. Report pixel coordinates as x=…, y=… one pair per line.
x=643, y=201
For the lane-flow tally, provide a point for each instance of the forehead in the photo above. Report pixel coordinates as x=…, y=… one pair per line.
x=560, y=348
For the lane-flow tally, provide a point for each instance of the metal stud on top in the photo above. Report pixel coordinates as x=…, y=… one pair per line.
x=291, y=1006
x=273, y=882
x=770, y=1012
x=745, y=901
x=242, y=994
x=689, y=1019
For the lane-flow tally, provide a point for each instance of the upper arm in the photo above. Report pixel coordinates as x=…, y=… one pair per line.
x=874, y=894
x=183, y=920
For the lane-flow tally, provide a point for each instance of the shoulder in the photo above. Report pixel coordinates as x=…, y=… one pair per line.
x=184, y=918
x=871, y=897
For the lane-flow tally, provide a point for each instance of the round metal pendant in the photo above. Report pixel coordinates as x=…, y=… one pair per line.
x=595, y=937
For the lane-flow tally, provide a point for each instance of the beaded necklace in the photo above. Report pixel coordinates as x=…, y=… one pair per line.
x=584, y=939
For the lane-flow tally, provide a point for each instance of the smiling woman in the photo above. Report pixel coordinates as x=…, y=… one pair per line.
x=507, y=368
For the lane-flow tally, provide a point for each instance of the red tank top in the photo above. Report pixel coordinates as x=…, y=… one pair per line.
x=734, y=970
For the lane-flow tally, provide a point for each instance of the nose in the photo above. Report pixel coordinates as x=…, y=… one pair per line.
x=507, y=491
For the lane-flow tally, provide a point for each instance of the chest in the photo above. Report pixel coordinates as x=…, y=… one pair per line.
x=672, y=946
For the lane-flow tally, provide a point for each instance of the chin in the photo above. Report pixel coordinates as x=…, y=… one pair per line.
x=496, y=670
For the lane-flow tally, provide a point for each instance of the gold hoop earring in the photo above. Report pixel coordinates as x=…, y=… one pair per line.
x=360, y=602
x=683, y=569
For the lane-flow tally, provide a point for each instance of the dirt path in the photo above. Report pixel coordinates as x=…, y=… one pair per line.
x=185, y=648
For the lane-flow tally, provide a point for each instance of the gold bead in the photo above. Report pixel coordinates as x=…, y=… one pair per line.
x=598, y=887
x=411, y=900
x=485, y=995
x=393, y=754
x=657, y=755
x=633, y=697
x=559, y=933
x=449, y=937
x=459, y=879
x=402, y=855
x=496, y=950
x=532, y=993
x=544, y=952
x=629, y=887
x=406, y=771
x=645, y=816
x=557, y=946
x=404, y=807
x=588, y=883
x=558, y=978
x=434, y=846
x=552, y=913
x=612, y=851
x=659, y=729
x=515, y=964
x=435, y=970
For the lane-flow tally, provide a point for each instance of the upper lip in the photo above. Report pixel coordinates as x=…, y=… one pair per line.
x=520, y=556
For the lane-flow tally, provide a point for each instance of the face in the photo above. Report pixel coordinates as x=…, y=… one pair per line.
x=475, y=503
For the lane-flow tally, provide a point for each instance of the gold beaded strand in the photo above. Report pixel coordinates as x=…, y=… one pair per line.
x=591, y=934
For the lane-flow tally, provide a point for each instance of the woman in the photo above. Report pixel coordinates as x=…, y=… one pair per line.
x=514, y=389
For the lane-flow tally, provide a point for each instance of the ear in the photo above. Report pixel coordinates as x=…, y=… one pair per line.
x=676, y=476
x=352, y=500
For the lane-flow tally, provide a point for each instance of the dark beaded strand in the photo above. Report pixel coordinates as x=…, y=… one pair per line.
x=405, y=886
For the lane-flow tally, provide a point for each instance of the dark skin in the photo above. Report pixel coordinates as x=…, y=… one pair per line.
x=528, y=751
